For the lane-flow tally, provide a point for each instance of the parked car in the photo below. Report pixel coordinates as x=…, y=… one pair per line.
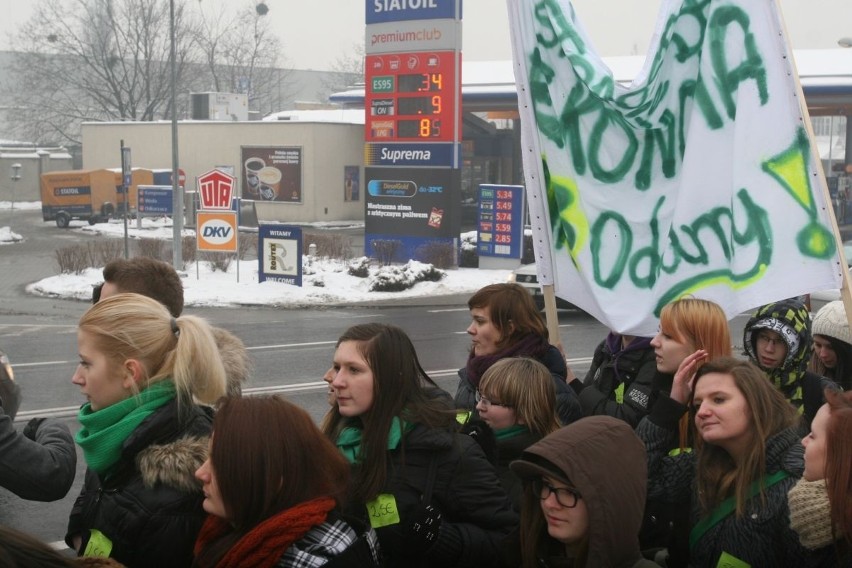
x=10, y=392
x=526, y=276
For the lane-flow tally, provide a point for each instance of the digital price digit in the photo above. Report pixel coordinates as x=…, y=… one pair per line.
x=422, y=128
x=421, y=83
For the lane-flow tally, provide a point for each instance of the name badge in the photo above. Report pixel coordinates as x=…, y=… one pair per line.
x=382, y=511
x=731, y=561
x=99, y=545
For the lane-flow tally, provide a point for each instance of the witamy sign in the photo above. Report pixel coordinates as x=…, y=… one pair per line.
x=279, y=254
x=215, y=221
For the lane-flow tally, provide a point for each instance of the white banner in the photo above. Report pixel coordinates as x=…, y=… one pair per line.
x=697, y=178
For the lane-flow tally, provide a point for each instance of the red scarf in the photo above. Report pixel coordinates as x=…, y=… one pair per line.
x=263, y=546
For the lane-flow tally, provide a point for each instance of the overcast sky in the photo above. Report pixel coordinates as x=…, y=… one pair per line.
x=317, y=32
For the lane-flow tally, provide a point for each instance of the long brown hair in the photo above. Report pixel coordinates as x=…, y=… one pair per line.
x=838, y=462
x=719, y=476
x=401, y=389
x=268, y=456
x=512, y=311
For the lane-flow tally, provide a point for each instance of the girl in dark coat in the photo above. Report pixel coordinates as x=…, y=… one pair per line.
x=506, y=323
x=272, y=485
x=517, y=400
x=821, y=502
x=142, y=435
x=430, y=493
x=746, y=457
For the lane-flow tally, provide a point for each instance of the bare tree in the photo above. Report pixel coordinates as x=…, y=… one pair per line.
x=241, y=55
x=347, y=69
x=91, y=60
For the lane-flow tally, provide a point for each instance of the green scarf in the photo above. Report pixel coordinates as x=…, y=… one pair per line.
x=104, y=431
x=510, y=432
x=349, y=440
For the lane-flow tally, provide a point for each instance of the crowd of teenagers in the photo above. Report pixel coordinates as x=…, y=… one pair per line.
x=672, y=451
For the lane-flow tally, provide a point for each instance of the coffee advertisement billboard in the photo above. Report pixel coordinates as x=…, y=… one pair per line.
x=271, y=173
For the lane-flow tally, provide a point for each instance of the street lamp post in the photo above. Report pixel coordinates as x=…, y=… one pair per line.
x=15, y=177
x=177, y=193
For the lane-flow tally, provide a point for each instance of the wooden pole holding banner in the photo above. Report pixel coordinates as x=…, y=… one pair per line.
x=845, y=288
x=553, y=324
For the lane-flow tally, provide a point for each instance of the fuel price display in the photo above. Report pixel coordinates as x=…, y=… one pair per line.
x=411, y=97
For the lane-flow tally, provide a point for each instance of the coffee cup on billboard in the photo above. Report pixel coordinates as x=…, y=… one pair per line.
x=269, y=183
x=253, y=167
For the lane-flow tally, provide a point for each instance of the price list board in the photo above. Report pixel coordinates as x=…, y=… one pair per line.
x=500, y=230
x=411, y=97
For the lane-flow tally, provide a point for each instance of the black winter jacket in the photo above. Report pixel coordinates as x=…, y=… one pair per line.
x=476, y=515
x=508, y=450
x=634, y=367
x=149, y=507
x=567, y=405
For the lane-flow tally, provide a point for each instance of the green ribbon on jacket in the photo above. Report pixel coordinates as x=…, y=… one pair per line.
x=349, y=440
x=510, y=432
x=104, y=431
x=727, y=506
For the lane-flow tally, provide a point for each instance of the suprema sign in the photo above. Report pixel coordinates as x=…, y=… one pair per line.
x=433, y=154
x=217, y=231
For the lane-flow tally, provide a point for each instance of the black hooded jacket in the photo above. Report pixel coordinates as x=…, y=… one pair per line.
x=790, y=319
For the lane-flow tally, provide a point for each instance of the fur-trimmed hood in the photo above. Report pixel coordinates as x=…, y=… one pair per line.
x=235, y=359
x=173, y=464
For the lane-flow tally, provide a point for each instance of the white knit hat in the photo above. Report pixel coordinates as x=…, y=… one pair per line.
x=831, y=320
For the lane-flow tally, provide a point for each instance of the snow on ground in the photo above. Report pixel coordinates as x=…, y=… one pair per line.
x=327, y=283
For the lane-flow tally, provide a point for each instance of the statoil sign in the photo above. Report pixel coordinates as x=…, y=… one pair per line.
x=217, y=231
x=379, y=11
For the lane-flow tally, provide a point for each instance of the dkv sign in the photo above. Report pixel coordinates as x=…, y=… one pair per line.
x=217, y=231
x=216, y=223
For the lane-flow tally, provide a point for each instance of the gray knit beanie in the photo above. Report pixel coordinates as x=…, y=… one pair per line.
x=831, y=321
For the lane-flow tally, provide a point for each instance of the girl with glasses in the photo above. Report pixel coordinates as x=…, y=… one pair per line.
x=517, y=400
x=584, y=493
x=777, y=339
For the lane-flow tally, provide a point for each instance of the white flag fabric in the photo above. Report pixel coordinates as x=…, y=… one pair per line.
x=696, y=179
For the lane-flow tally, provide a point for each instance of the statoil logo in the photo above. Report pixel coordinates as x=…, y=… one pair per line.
x=217, y=232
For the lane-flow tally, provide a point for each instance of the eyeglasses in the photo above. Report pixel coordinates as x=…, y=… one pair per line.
x=767, y=338
x=564, y=496
x=488, y=402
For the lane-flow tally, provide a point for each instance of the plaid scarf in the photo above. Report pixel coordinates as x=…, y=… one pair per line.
x=263, y=545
